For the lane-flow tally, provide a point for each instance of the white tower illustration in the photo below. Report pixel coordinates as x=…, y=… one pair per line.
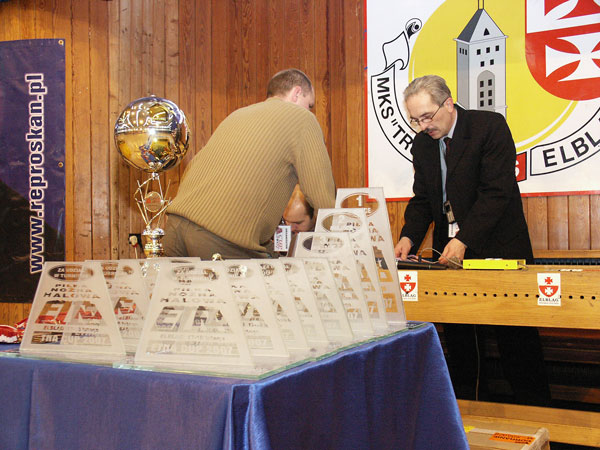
x=481, y=65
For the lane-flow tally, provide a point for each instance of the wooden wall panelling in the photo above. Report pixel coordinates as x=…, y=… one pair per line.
x=392, y=208
x=248, y=51
x=58, y=13
x=355, y=63
x=27, y=19
x=148, y=40
x=321, y=77
x=138, y=78
x=220, y=63
x=157, y=37
x=7, y=19
x=537, y=214
x=235, y=44
x=337, y=70
x=123, y=61
x=558, y=223
x=594, y=221
x=187, y=46
x=158, y=41
x=114, y=158
x=275, y=19
x=82, y=204
x=292, y=43
x=579, y=222
x=42, y=14
x=171, y=91
x=203, y=75
x=306, y=40
x=262, y=39
x=399, y=220
x=100, y=145
x=63, y=30
x=11, y=313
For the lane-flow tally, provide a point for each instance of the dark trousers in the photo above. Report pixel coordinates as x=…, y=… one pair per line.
x=521, y=359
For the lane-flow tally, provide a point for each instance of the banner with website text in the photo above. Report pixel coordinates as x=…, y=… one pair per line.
x=32, y=155
x=537, y=62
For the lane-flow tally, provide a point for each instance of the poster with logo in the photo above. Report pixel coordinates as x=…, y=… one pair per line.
x=536, y=62
x=32, y=155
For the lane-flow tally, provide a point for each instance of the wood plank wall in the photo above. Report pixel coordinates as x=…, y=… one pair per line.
x=212, y=57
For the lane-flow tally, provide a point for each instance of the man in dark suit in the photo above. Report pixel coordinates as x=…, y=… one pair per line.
x=464, y=182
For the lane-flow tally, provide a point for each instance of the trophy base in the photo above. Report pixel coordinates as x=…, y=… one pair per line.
x=153, y=247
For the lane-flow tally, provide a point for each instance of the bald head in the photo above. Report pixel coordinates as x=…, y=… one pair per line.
x=299, y=214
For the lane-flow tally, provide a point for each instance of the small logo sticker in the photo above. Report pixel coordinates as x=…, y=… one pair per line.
x=409, y=286
x=548, y=289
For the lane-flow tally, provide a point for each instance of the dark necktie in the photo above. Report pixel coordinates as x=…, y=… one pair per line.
x=447, y=142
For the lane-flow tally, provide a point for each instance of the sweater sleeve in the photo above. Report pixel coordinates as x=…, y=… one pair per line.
x=313, y=166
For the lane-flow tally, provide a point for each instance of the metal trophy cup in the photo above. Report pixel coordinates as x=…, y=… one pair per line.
x=152, y=135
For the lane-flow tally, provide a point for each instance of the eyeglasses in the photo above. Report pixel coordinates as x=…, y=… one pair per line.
x=427, y=119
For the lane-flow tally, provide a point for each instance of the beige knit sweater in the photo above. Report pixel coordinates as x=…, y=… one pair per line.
x=239, y=184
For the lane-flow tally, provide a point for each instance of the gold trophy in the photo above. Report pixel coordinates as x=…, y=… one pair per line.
x=152, y=135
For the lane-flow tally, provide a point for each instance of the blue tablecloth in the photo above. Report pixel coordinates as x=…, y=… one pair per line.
x=391, y=394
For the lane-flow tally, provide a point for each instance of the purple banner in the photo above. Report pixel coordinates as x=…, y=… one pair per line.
x=32, y=163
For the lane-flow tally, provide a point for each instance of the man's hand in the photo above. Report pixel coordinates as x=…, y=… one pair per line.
x=403, y=247
x=455, y=251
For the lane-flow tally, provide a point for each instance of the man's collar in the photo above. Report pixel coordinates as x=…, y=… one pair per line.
x=451, y=132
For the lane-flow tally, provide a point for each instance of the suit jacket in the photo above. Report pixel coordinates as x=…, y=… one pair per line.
x=480, y=185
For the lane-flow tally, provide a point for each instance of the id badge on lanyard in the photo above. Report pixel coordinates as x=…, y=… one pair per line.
x=452, y=224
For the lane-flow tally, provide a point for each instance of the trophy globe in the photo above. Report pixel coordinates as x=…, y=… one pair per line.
x=152, y=135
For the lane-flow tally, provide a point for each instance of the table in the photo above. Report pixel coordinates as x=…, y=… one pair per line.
x=394, y=393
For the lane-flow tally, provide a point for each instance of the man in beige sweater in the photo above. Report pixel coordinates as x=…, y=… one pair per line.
x=234, y=191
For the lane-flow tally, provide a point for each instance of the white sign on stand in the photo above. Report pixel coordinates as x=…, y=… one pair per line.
x=72, y=317
x=258, y=318
x=193, y=322
x=373, y=202
x=129, y=298
x=354, y=222
x=329, y=304
x=284, y=306
x=337, y=249
x=306, y=305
